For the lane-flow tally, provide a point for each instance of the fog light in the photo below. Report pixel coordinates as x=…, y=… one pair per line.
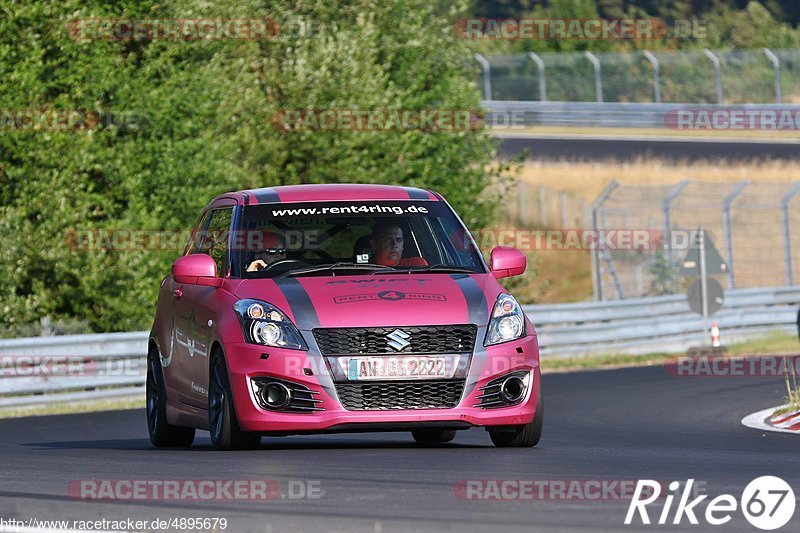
x=512, y=389
x=276, y=395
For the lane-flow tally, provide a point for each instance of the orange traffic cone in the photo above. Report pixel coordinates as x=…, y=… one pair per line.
x=715, y=342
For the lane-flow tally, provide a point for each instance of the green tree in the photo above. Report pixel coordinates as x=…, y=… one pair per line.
x=205, y=111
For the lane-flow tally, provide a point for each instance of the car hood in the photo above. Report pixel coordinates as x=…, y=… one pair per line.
x=383, y=300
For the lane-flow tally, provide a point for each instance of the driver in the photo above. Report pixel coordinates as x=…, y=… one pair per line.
x=387, y=244
x=272, y=248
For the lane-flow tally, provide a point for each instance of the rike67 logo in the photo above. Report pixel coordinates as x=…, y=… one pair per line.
x=767, y=503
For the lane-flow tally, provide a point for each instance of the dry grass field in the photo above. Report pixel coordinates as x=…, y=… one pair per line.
x=587, y=179
x=562, y=276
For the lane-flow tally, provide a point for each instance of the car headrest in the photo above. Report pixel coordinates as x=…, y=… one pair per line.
x=362, y=247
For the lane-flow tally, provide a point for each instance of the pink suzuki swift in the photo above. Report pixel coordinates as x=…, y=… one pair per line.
x=339, y=308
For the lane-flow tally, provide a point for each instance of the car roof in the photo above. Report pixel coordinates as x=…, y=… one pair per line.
x=326, y=192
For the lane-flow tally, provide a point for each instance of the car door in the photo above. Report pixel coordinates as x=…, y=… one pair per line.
x=194, y=313
x=164, y=324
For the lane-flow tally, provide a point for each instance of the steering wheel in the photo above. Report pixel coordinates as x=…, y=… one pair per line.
x=290, y=263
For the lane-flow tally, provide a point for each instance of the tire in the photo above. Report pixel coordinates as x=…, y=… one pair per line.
x=222, y=423
x=432, y=436
x=162, y=433
x=525, y=436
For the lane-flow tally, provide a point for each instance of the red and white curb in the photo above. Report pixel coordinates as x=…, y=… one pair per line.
x=766, y=421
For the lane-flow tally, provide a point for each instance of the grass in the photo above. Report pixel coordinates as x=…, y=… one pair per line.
x=652, y=132
x=777, y=343
x=603, y=362
x=111, y=404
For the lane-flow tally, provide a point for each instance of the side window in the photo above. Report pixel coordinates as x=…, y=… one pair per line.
x=194, y=239
x=215, y=238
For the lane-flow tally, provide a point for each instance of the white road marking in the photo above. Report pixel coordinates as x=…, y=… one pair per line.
x=758, y=421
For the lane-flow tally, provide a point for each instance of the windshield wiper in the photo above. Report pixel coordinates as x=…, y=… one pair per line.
x=370, y=268
x=441, y=268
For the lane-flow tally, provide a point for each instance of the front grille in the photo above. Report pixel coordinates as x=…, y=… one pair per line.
x=423, y=339
x=387, y=395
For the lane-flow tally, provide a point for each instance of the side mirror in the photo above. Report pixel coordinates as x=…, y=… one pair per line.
x=507, y=261
x=196, y=269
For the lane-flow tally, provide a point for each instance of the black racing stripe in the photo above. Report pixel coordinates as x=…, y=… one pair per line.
x=479, y=315
x=266, y=196
x=416, y=194
x=305, y=316
x=476, y=299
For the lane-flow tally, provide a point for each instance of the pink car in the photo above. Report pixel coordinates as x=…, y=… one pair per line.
x=339, y=308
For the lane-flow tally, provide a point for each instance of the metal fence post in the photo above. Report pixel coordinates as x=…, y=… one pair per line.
x=487, y=76
x=585, y=214
x=656, y=76
x=717, y=74
x=726, y=225
x=598, y=80
x=776, y=67
x=564, y=217
x=523, y=211
x=787, y=234
x=666, y=205
x=597, y=280
x=542, y=81
x=543, y=207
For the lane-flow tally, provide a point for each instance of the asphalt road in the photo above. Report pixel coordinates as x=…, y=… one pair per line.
x=624, y=147
x=622, y=424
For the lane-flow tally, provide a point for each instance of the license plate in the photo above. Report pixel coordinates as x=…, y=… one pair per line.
x=375, y=368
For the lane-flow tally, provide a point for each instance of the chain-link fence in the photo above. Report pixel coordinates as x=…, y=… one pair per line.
x=696, y=76
x=541, y=207
x=750, y=227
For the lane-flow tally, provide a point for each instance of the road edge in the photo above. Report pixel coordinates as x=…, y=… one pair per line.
x=759, y=420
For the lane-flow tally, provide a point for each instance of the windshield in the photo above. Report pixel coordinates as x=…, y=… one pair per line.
x=336, y=238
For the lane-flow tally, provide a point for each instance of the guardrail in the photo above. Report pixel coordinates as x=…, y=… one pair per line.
x=70, y=368
x=659, y=324
x=113, y=364
x=517, y=114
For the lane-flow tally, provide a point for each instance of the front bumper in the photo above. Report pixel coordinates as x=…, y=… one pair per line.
x=248, y=361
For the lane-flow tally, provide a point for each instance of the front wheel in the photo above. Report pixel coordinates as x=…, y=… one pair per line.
x=524, y=436
x=223, y=426
x=162, y=433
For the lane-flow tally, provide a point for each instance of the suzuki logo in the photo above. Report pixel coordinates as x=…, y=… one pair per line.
x=398, y=339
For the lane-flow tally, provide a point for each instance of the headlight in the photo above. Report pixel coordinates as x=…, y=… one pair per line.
x=263, y=324
x=507, y=322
